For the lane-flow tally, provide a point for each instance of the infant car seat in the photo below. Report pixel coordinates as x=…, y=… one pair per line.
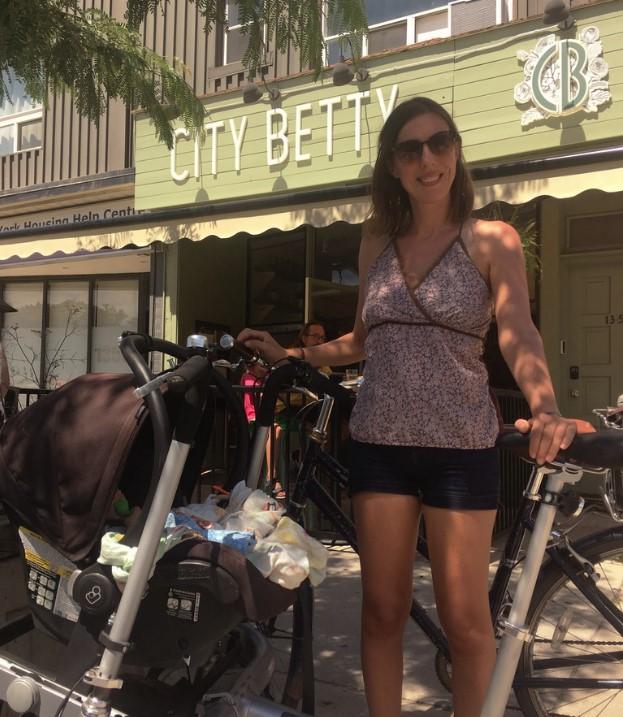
x=62, y=459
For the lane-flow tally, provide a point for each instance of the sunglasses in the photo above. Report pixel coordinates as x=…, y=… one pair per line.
x=412, y=149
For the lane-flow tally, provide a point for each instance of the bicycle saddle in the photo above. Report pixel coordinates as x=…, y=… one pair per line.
x=590, y=448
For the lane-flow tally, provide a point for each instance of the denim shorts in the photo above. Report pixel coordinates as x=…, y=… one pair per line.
x=454, y=478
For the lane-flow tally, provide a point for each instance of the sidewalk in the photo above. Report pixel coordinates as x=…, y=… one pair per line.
x=339, y=684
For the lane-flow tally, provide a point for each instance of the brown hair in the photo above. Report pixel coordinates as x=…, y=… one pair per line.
x=391, y=209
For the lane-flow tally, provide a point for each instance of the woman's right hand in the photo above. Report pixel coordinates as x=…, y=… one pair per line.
x=264, y=344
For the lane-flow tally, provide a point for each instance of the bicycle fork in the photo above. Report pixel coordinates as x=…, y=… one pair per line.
x=515, y=630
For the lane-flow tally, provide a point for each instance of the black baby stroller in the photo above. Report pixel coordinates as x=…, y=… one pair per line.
x=164, y=644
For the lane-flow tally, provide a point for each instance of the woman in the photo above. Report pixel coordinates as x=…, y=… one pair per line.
x=313, y=333
x=424, y=425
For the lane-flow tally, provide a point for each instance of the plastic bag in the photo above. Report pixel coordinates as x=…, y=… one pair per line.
x=289, y=555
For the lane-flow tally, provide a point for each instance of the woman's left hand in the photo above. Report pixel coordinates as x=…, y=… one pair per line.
x=549, y=433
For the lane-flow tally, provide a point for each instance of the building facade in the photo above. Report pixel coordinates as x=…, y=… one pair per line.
x=258, y=221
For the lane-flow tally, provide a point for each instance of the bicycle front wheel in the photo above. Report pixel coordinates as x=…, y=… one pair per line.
x=574, y=664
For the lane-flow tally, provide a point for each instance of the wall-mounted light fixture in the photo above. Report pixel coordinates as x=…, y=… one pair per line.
x=252, y=92
x=557, y=12
x=343, y=73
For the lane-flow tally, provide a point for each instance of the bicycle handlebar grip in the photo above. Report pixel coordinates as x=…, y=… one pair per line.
x=320, y=383
x=597, y=450
x=142, y=343
x=284, y=376
x=183, y=377
x=229, y=343
x=278, y=379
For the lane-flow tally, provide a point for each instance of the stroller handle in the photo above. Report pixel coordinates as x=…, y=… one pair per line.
x=143, y=343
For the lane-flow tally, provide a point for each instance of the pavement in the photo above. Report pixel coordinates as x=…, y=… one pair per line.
x=337, y=604
x=339, y=685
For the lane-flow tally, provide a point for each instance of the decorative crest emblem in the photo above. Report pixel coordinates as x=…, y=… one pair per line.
x=563, y=77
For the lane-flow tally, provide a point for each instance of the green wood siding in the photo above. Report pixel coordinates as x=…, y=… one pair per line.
x=473, y=76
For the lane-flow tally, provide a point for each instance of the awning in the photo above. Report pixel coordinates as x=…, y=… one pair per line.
x=561, y=184
x=256, y=222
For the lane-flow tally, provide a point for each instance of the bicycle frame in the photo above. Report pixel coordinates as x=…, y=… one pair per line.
x=307, y=487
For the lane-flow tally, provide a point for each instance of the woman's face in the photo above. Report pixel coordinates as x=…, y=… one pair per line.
x=426, y=171
x=314, y=335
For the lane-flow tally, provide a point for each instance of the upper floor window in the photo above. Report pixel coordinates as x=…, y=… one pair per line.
x=232, y=42
x=392, y=23
x=21, y=119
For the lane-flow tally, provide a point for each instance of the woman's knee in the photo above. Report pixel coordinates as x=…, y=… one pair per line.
x=466, y=632
x=384, y=614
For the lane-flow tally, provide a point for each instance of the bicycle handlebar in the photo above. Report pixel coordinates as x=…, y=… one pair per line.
x=142, y=343
x=602, y=449
x=188, y=373
x=283, y=376
x=227, y=343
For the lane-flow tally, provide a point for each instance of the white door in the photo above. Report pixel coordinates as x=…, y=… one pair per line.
x=592, y=331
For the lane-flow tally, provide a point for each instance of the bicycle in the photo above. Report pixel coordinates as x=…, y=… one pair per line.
x=563, y=622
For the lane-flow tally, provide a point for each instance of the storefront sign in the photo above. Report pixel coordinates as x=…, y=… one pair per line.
x=69, y=215
x=563, y=76
x=286, y=134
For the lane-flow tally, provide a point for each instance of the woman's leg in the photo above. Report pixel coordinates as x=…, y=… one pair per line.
x=387, y=535
x=272, y=453
x=459, y=542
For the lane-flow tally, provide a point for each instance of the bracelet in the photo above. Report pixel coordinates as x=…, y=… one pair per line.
x=302, y=356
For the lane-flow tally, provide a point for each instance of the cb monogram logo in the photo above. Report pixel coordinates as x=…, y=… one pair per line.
x=563, y=77
x=94, y=595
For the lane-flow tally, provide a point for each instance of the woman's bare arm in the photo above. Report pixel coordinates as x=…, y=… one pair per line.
x=520, y=342
x=344, y=350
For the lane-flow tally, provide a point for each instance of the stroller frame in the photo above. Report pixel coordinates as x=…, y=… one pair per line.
x=29, y=692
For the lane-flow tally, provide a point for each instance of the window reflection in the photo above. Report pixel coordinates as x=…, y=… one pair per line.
x=115, y=309
x=335, y=277
x=66, y=335
x=277, y=279
x=30, y=134
x=21, y=335
x=47, y=348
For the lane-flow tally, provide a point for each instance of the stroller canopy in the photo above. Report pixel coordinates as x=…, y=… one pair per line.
x=62, y=457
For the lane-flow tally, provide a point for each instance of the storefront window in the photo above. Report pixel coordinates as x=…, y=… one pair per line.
x=49, y=339
x=334, y=281
x=21, y=334
x=277, y=280
x=115, y=309
x=67, y=332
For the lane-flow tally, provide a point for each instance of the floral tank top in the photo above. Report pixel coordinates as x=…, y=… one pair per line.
x=425, y=382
